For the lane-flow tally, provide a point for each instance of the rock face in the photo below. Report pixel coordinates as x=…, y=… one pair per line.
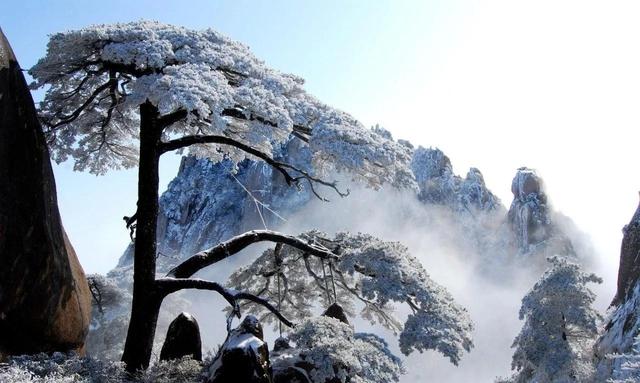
x=629, y=270
x=531, y=218
x=244, y=356
x=45, y=303
x=183, y=339
x=529, y=213
x=623, y=324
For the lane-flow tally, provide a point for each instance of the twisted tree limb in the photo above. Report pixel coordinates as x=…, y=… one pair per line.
x=166, y=286
x=236, y=244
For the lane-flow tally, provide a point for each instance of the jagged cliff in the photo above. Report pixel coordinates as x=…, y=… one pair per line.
x=439, y=185
x=208, y=202
x=629, y=270
x=623, y=323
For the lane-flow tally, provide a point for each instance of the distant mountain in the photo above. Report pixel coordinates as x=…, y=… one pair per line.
x=207, y=203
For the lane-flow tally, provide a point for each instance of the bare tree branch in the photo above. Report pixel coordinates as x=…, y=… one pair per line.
x=65, y=119
x=167, y=286
x=282, y=167
x=96, y=294
x=234, y=245
x=186, y=141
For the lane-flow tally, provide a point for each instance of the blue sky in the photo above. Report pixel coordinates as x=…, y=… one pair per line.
x=338, y=47
x=496, y=84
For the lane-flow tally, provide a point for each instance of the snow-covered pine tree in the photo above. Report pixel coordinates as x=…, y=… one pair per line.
x=367, y=273
x=122, y=95
x=560, y=327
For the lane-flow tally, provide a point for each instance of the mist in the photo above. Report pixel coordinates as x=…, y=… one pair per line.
x=467, y=253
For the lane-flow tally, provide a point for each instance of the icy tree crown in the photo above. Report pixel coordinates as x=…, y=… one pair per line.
x=369, y=273
x=202, y=83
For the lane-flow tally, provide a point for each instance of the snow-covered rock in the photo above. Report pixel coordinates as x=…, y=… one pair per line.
x=244, y=356
x=336, y=311
x=439, y=185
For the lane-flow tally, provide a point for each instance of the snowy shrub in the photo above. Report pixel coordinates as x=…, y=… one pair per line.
x=68, y=368
x=329, y=350
x=59, y=367
x=111, y=305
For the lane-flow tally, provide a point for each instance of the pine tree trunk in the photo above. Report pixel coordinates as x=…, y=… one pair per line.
x=146, y=299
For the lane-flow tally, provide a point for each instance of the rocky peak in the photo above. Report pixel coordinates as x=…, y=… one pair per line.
x=535, y=227
x=428, y=164
x=529, y=214
x=474, y=192
x=207, y=203
x=439, y=185
x=527, y=185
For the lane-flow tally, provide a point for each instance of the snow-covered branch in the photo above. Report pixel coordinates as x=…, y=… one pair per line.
x=167, y=286
x=240, y=242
